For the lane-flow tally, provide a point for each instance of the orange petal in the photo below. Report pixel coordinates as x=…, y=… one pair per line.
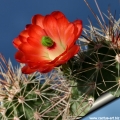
x=69, y=36
x=33, y=65
x=37, y=58
x=38, y=20
x=37, y=65
x=57, y=14
x=16, y=42
x=19, y=56
x=68, y=31
x=46, y=68
x=27, y=70
x=24, y=33
x=22, y=39
x=42, y=67
x=51, y=27
x=27, y=26
x=35, y=43
x=26, y=48
x=33, y=53
x=78, y=24
x=36, y=32
x=63, y=23
x=69, y=54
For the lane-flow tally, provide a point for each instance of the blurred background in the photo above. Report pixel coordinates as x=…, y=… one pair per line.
x=15, y=14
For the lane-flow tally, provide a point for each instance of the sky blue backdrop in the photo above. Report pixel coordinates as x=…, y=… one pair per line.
x=111, y=110
x=15, y=14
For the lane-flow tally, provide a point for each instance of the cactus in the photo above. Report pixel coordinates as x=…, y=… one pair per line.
x=39, y=96
x=97, y=68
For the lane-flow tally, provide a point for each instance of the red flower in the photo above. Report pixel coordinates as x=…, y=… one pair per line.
x=47, y=42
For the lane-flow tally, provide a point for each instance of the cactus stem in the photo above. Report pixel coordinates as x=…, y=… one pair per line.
x=117, y=89
x=98, y=46
x=91, y=101
x=37, y=115
x=37, y=92
x=99, y=65
x=10, y=97
x=3, y=111
x=21, y=99
x=109, y=88
x=16, y=118
x=117, y=58
x=119, y=83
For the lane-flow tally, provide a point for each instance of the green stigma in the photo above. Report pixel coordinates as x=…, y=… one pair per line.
x=47, y=41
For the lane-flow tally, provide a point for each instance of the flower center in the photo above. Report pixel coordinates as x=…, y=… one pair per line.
x=47, y=41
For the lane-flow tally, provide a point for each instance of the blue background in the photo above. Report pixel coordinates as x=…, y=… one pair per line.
x=15, y=14
x=109, y=110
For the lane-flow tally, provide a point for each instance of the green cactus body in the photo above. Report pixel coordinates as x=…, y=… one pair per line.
x=25, y=97
x=28, y=100
x=101, y=68
x=97, y=69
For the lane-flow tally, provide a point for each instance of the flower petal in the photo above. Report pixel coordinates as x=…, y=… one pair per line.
x=57, y=14
x=19, y=56
x=69, y=54
x=32, y=53
x=22, y=39
x=36, y=43
x=51, y=27
x=16, y=42
x=55, y=52
x=42, y=67
x=38, y=20
x=78, y=24
x=27, y=70
x=36, y=32
x=28, y=49
x=69, y=36
x=24, y=33
x=37, y=58
x=46, y=68
x=63, y=24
